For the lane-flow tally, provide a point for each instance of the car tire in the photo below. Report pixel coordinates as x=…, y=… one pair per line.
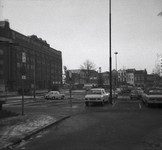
x=62, y=97
x=102, y=103
x=87, y=104
x=53, y=98
x=148, y=104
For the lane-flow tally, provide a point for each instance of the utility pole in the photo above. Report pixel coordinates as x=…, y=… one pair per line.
x=23, y=72
x=34, y=77
x=116, y=68
x=110, y=51
x=70, y=78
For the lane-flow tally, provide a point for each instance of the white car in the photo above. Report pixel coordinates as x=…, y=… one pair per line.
x=96, y=95
x=54, y=95
x=152, y=96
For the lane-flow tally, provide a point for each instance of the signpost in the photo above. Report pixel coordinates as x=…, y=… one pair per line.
x=70, y=76
x=6, y=88
x=23, y=73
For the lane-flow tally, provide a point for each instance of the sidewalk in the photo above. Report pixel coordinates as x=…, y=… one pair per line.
x=15, y=93
x=15, y=130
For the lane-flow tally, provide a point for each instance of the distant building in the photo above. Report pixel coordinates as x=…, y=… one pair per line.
x=130, y=76
x=160, y=66
x=140, y=78
x=42, y=61
x=151, y=79
x=122, y=76
x=106, y=79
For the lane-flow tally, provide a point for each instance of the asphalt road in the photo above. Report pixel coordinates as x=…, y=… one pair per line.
x=124, y=125
x=40, y=101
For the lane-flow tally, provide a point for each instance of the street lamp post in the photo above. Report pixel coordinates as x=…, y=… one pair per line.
x=116, y=68
x=110, y=51
x=70, y=78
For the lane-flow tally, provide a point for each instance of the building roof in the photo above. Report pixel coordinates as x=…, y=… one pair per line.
x=130, y=70
x=140, y=71
x=75, y=71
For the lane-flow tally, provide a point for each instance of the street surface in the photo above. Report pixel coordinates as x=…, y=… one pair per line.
x=40, y=101
x=126, y=124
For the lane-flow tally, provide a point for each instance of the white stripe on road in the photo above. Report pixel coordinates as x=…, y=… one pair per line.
x=140, y=105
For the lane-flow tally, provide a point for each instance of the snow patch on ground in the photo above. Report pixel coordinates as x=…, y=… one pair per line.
x=18, y=127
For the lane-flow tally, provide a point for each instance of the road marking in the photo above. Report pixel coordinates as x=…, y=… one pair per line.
x=113, y=104
x=140, y=105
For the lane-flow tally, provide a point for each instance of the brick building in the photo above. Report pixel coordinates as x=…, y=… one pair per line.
x=140, y=78
x=43, y=63
x=130, y=76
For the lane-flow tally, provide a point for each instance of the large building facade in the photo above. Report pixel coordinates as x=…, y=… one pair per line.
x=132, y=77
x=43, y=64
x=161, y=66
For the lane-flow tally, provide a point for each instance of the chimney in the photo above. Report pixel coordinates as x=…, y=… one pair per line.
x=99, y=69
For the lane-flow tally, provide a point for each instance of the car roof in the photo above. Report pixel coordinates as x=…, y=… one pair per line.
x=155, y=89
x=97, y=89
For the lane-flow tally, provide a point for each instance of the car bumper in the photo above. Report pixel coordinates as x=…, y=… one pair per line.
x=94, y=101
x=154, y=101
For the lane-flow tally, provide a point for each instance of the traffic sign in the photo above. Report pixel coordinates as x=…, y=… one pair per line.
x=70, y=75
x=23, y=77
x=23, y=57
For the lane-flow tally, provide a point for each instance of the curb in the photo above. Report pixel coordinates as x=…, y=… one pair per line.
x=12, y=145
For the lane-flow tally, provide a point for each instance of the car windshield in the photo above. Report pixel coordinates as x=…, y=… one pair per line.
x=94, y=92
x=50, y=92
x=155, y=91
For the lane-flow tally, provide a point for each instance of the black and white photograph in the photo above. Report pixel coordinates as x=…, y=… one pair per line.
x=81, y=74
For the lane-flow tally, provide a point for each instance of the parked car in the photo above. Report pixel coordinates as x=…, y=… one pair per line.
x=137, y=94
x=114, y=94
x=96, y=95
x=152, y=96
x=118, y=90
x=54, y=95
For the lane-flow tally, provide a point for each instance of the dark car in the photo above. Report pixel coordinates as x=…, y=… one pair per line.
x=136, y=94
x=152, y=96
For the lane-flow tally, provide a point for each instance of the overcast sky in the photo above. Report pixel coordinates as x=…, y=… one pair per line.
x=80, y=29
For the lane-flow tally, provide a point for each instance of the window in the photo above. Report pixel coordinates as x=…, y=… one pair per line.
x=18, y=64
x=1, y=81
x=1, y=62
x=1, y=72
x=18, y=56
x=1, y=52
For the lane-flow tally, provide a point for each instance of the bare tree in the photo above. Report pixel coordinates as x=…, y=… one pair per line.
x=156, y=70
x=87, y=68
x=65, y=69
